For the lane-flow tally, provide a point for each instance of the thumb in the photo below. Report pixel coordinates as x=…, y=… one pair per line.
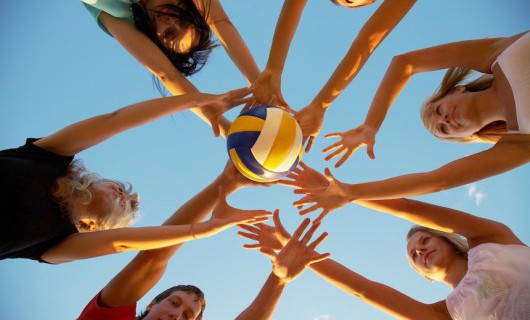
x=309, y=143
x=370, y=150
x=269, y=253
x=215, y=128
x=328, y=175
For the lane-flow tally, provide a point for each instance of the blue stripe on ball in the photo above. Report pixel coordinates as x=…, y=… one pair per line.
x=244, y=139
x=259, y=112
x=246, y=156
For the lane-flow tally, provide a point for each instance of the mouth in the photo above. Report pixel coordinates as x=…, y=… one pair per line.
x=426, y=257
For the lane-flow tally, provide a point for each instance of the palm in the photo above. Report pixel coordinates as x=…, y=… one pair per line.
x=274, y=237
x=217, y=105
x=304, y=176
x=349, y=142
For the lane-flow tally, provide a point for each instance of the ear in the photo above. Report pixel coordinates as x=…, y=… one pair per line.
x=150, y=305
x=88, y=224
x=459, y=89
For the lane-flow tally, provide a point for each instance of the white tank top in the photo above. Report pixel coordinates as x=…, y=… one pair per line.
x=515, y=64
x=496, y=285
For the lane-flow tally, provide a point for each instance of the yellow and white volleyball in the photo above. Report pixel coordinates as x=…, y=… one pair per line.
x=265, y=143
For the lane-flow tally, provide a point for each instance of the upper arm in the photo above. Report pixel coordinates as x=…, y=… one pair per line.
x=474, y=54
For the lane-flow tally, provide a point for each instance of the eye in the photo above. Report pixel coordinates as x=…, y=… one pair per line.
x=443, y=129
x=437, y=110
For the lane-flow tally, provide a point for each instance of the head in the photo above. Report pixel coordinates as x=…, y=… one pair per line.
x=92, y=203
x=430, y=251
x=183, y=302
x=353, y=3
x=179, y=30
x=448, y=113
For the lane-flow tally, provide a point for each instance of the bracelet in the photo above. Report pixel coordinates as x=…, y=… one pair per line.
x=193, y=233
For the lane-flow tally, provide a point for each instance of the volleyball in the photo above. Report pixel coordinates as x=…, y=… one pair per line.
x=265, y=143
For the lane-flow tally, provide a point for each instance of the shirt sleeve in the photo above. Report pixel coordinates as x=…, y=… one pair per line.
x=120, y=9
x=94, y=311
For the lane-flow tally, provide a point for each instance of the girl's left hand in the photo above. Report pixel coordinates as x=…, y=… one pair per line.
x=215, y=106
x=274, y=237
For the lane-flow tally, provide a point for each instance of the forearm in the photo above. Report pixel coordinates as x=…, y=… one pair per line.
x=236, y=48
x=284, y=33
x=376, y=294
x=374, y=31
x=395, y=79
x=264, y=304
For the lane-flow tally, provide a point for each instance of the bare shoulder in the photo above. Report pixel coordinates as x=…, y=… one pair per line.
x=441, y=311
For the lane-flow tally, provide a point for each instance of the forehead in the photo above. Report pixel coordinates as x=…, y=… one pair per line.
x=353, y=3
x=189, y=300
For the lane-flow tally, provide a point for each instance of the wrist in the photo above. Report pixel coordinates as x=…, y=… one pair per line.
x=279, y=282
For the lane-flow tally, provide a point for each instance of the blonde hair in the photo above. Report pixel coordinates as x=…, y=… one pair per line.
x=453, y=78
x=76, y=184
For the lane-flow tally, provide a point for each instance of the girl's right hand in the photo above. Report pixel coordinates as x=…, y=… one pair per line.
x=215, y=105
x=350, y=141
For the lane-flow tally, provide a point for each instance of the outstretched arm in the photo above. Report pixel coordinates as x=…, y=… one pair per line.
x=379, y=295
x=374, y=31
x=510, y=152
x=231, y=40
x=144, y=271
x=149, y=55
x=85, y=134
x=474, y=54
x=267, y=87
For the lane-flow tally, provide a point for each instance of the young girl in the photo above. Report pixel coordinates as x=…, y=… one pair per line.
x=49, y=203
x=495, y=109
x=483, y=261
x=172, y=39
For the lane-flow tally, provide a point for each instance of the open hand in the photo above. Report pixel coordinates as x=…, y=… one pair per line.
x=225, y=216
x=274, y=237
x=310, y=120
x=216, y=105
x=327, y=198
x=297, y=254
x=304, y=176
x=267, y=90
x=350, y=141
x=233, y=180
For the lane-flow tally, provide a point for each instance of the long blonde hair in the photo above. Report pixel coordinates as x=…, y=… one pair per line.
x=453, y=78
x=76, y=184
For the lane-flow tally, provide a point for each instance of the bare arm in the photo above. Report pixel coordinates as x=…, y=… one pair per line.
x=144, y=271
x=85, y=134
x=232, y=41
x=265, y=302
x=149, y=55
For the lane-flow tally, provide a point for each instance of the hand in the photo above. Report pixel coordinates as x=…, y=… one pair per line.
x=225, y=216
x=267, y=90
x=350, y=141
x=274, y=237
x=297, y=255
x=305, y=177
x=215, y=106
x=310, y=120
x=232, y=179
x=329, y=198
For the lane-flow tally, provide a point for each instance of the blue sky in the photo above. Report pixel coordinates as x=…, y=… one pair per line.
x=58, y=67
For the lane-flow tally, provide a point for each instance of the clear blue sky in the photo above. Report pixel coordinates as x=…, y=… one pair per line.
x=58, y=68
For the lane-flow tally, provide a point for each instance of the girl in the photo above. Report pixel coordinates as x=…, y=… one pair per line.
x=50, y=204
x=172, y=39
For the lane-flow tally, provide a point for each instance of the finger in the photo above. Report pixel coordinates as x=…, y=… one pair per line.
x=300, y=229
x=370, y=150
x=296, y=170
x=278, y=223
x=321, y=216
x=333, y=146
x=252, y=246
x=309, y=143
x=328, y=175
x=310, y=209
x=215, y=128
x=257, y=220
x=249, y=228
x=305, y=200
x=309, y=234
x=287, y=183
x=241, y=92
x=333, y=134
x=320, y=257
x=248, y=235
x=269, y=253
x=303, y=165
x=344, y=158
x=313, y=245
x=337, y=152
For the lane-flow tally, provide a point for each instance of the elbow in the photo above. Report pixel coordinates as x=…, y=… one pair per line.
x=402, y=62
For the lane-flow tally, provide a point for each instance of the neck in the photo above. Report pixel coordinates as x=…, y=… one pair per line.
x=455, y=272
x=489, y=105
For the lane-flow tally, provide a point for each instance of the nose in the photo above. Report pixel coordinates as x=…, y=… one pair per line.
x=420, y=251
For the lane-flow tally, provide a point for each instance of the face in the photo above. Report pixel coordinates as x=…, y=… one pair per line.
x=353, y=3
x=455, y=116
x=429, y=255
x=174, y=34
x=107, y=197
x=179, y=305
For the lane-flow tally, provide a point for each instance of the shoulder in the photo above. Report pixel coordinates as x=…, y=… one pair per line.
x=96, y=310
